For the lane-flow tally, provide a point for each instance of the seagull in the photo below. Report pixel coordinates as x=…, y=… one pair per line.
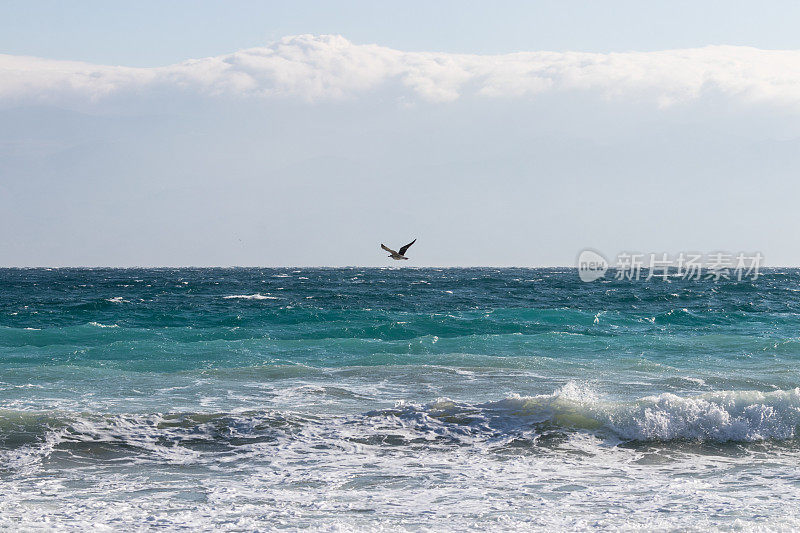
x=398, y=255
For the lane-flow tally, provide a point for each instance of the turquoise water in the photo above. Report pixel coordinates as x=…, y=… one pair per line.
x=438, y=399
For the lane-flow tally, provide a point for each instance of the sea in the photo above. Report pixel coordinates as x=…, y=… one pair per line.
x=397, y=399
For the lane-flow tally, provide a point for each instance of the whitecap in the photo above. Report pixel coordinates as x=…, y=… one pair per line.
x=250, y=297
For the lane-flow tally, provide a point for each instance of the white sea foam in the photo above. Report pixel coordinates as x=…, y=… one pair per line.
x=251, y=297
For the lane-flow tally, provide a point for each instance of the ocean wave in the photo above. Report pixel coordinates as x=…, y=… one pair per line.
x=177, y=438
x=538, y=421
x=99, y=325
x=724, y=416
x=256, y=296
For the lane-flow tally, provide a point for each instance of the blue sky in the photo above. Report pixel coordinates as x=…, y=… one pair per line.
x=305, y=133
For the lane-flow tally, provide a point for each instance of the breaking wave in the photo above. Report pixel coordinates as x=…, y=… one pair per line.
x=724, y=416
x=734, y=416
x=250, y=297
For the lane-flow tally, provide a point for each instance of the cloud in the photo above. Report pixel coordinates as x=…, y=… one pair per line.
x=324, y=68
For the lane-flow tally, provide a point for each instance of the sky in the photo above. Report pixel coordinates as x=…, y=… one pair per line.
x=307, y=133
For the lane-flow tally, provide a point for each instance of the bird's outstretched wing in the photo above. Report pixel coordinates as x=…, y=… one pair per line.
x=406, y=247
x=388, y=249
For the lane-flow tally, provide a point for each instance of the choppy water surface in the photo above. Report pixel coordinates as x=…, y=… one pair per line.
x=438, y=399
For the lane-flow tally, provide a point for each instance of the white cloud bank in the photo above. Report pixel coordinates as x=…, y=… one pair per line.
x=320, y=68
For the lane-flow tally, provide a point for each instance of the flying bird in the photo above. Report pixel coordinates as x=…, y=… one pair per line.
x=398, y=255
